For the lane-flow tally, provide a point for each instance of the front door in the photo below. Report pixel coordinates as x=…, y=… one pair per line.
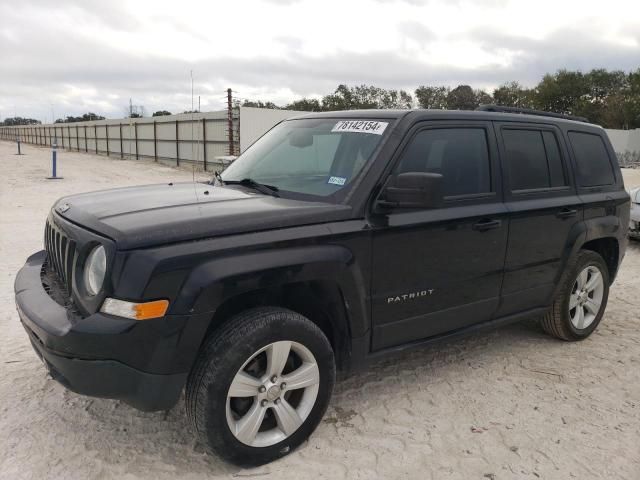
x=440, y=270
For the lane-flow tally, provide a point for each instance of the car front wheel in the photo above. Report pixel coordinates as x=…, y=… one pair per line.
x=260, y=385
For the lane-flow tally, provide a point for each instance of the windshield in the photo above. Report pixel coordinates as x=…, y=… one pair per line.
x=318, y=157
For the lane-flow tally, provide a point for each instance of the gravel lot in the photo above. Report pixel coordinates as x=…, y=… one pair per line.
x=508, y=404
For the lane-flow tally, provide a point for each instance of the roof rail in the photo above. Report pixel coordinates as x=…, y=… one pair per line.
x=530, y=111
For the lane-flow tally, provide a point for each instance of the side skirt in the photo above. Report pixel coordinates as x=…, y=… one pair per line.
x=357, y=363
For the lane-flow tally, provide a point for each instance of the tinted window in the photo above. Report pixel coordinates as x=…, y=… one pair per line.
x=533, y=159
x=460, y=155
x=594, y=166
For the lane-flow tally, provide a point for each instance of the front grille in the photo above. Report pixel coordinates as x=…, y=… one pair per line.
x=61, y=253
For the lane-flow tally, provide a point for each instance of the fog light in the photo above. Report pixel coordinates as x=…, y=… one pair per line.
x=135, y=311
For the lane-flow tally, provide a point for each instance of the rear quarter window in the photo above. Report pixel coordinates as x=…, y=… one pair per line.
x=592, y=159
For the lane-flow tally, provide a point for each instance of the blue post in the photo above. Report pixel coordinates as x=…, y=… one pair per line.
x=54, y=162
x=18, y=140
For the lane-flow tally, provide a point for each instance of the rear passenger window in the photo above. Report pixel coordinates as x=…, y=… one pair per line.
x=592, y=159
x=533, y=159
x=460, y=155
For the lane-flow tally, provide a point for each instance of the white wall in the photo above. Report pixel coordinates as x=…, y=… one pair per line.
x=254, y=122
x=625, y=140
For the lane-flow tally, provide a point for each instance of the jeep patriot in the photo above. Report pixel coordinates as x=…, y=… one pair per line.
x=335, y=238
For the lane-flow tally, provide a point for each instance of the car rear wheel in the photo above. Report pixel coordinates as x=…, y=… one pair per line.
x=260, y=385
x=582, y=299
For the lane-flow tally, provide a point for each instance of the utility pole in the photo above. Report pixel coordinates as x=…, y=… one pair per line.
x=192, y=122
x=230, y=121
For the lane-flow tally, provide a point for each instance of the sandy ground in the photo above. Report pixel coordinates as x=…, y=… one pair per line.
x=509, y=404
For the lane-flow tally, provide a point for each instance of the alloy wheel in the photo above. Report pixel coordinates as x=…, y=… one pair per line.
x=272, y=394
x=586, y=297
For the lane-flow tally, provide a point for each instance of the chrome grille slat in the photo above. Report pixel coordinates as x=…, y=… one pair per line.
x=61, y=254
x=71, y=251
x=56, y=252
x=63, y=258
x=53, y=250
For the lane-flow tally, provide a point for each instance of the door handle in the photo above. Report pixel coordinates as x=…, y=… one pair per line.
x=566, y=213
x=487, y=224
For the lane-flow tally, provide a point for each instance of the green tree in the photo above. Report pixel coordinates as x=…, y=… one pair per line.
x=305, y=105
x=482, y=98
x=602, y=87
x=366, y=97
x=161, y=113
x=512, y=94
x=349, y=98
x=561, y=92
x=432, y=97
x=86, y=117
x=12, y=121
x=632, y=100
x=260, y=104
x=396, y=99
x=462, y=98
x=623, y=107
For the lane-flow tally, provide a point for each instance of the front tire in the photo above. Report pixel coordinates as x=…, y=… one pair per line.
x=260, y=386
x=582, y=299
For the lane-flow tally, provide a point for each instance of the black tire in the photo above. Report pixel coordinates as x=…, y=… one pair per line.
x=557, y=322
x=221, y=357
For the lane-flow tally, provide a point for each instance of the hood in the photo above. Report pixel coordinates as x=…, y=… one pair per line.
x=149, y=215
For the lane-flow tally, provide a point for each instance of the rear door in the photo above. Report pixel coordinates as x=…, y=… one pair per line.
x=544, y=209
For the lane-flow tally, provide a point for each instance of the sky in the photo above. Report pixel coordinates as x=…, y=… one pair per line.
x=61, y=58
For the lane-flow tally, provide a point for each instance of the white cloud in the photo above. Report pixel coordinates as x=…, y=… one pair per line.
x=95, y=55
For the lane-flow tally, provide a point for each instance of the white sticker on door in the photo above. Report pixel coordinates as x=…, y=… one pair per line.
x=361, y=126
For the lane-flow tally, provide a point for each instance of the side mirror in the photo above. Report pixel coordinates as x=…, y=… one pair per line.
x=412, y=190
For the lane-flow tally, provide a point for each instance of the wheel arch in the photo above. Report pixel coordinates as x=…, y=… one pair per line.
x=322, y=282
x=609, y=249
x=321, y=301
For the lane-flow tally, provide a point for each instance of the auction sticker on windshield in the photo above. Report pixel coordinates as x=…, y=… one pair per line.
x=360, y=126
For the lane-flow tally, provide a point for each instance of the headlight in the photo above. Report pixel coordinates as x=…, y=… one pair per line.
x=94, y=270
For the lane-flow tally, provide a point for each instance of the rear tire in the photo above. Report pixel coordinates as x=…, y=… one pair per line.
x=237, y=396
x=582, y=298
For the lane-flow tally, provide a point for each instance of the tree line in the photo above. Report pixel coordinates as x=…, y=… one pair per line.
x=87, y=117
x=608, y=98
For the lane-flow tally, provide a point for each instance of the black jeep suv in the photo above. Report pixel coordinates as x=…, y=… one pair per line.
x=336, y=238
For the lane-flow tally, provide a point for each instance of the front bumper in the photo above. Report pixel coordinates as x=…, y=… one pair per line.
x=141, y=363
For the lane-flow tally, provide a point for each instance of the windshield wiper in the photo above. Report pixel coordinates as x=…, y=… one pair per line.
x=251, y=183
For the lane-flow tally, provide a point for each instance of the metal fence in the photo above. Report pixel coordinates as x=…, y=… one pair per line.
x=194, y=138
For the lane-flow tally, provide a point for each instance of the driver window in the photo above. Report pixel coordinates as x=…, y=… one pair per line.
x=460, y=155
